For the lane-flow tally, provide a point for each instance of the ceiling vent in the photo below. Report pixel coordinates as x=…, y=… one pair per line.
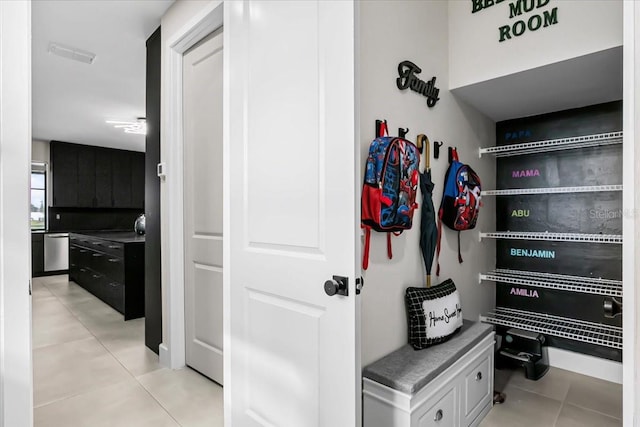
x=71, y=53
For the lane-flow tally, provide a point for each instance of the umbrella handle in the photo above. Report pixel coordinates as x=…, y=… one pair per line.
x=422, y=143
x=427, y=155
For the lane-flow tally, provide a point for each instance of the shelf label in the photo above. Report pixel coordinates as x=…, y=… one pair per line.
x=532, y=253
x=529, y=293
x=525, y=173
x=520, y=213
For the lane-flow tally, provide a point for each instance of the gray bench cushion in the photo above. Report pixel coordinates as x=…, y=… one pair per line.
x=408, y=370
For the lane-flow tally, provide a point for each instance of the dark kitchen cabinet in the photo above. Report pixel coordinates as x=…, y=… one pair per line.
x=94, y=177
x=110, y=265
x=86, y=177
x=103, y=179
x=64, y=169
x=137, y=180
x=37, y=254
x=122, y=191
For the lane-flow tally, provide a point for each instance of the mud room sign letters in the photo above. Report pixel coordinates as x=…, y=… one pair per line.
x=526, y=15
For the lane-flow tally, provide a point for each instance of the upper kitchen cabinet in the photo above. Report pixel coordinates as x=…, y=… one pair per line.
x=64, y=169
x=103, y=178
x=94, y=177
x=86, y=177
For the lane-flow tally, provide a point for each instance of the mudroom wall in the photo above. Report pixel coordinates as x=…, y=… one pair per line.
x=391, y=32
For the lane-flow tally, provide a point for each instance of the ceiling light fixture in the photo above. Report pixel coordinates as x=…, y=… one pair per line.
x=138, y=127
x=71, y=53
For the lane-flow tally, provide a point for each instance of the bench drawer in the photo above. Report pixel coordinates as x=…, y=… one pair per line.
x=477, y=389
x=442, y=413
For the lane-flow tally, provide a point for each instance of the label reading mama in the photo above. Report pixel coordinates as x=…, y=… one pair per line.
x=525, y=173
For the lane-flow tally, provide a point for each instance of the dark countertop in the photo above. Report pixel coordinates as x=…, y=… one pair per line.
x=408, y=370
x=115, y=236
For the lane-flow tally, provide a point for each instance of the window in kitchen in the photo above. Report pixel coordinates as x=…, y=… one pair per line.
x=38, y=196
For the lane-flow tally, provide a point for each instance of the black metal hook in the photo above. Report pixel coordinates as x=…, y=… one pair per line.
x=436, y=148
x=403, y=132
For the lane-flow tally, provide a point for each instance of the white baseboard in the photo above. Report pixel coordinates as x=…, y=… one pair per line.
x=165, y=357
x=586, y=365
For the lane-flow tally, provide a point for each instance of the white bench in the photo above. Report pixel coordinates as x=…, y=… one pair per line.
x=447, y=385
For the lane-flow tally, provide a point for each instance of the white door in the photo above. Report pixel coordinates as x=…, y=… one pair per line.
x=202, y=77
x=16, y=375
x=292, y=218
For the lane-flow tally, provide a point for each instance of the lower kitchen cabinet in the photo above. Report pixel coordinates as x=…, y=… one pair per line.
x=110, y=265
x=37, y=254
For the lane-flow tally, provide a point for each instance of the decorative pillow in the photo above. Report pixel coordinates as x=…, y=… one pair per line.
x=433, y=314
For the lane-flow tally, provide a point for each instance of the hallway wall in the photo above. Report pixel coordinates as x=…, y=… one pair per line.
x=391, y=32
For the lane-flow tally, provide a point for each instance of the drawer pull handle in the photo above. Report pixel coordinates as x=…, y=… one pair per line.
x=96, y=276
x=113, y=285
x=478, y=376
x=113, y=260
x=83, y=251
x=97, y=255
x=83, y=270
x=96, y=243
x=438, y=416
x=114, y=247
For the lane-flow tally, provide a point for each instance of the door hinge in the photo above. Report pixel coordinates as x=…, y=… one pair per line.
x=359, y=284
x=29, y=287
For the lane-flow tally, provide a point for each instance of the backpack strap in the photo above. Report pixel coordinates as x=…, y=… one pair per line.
x=459, y=253
x=367, y=240
x=438, y=244
x=389, y=251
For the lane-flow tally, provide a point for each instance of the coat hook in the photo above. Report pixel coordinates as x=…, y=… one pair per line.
x=436, y=148
x=402, y=133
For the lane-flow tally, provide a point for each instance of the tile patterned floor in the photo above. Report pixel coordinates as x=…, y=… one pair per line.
x=92, y=369
x=559, y=399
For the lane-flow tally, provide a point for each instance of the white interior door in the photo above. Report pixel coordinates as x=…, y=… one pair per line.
x=202, y=98
x=292, y=214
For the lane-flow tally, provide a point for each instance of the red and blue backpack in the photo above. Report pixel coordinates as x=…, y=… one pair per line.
x=460, y=200
x=389, y=190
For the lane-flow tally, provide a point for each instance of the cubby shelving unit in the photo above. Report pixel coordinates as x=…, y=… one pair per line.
x=584, y=331
x=563, y=327
x=561, y=282
x=586, y=141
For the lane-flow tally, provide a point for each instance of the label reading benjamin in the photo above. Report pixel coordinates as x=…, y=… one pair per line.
x=532, y=253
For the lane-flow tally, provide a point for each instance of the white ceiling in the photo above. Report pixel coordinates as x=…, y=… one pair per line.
x=72, y=100
x=578, y=82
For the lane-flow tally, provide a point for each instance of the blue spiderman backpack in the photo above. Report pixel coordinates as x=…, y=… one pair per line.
x=389, y=189
x=460, y=200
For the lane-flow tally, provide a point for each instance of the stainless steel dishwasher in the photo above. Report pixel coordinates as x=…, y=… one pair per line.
x=56, y=251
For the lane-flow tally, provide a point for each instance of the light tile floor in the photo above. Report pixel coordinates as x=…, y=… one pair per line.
x=559, y=399
x=92, y=369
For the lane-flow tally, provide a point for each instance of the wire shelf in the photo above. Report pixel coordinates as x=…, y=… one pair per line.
x=552, y=190
x=596, y=140
x=562, y=282
x=563, y=327
x=554, y=237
